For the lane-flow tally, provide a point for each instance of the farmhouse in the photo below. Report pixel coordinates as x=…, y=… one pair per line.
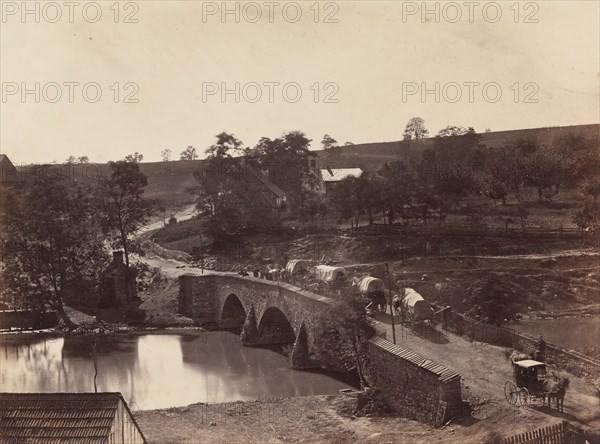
x=76, y=418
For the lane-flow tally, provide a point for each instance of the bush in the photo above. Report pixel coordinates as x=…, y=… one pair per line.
x=136, y=315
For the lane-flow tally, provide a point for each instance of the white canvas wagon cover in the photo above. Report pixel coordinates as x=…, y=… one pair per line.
x=419, y=307
x=296, y=265
x=369, y=284
x=328, y=273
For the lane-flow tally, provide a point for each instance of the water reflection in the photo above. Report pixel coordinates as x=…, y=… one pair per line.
x=156, y=371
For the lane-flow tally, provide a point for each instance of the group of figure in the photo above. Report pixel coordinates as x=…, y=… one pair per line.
x=269, y=273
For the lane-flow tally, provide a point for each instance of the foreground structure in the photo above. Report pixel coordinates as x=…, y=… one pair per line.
x=74, y=418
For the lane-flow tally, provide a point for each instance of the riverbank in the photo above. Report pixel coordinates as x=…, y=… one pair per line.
x=322, y=419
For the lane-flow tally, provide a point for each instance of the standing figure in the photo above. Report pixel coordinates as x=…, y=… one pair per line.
x=396, y=304
x=540, y=350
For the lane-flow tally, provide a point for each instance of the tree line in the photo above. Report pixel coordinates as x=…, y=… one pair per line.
x=457, y=173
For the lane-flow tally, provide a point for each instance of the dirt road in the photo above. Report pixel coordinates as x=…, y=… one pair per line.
x=484, y=370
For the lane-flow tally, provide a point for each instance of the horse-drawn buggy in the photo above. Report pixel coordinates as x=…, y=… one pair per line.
x=534, y=380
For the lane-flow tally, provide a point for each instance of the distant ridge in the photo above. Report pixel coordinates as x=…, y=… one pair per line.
x=170, y=180
x=371, y=156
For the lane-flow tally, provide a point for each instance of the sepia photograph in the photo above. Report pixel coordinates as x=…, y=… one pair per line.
x=312, y=221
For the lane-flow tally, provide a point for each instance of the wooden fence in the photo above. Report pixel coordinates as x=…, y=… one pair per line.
x=560, y=433
x=466, y=230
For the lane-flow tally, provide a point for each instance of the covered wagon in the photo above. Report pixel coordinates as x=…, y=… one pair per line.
x=374, y=289
x=416, y=308
x=297, y=266
x=330, y=274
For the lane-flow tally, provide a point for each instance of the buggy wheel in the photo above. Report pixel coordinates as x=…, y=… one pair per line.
x=524, y=397
x=511, y=392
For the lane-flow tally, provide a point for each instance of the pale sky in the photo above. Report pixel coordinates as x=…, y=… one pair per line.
x=365, y=61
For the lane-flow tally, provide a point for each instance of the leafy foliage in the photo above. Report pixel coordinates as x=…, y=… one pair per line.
x=493, y=300
x=415, y=129
x=188, y=154
x=53, y=245
x=122, y=207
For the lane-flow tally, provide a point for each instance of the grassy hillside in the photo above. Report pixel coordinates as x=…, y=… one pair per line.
x=166, y=180
x=371, y=156
x=169, y=180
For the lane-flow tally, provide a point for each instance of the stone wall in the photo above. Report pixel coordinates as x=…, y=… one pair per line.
x=27, y=320
x=416, y=387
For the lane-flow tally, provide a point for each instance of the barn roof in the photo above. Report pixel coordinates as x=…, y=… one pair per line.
x=52, y=418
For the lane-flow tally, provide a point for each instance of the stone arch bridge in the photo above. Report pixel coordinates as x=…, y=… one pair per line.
x=266, y=312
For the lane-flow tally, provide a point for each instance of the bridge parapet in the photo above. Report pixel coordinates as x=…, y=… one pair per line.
x=267, y=312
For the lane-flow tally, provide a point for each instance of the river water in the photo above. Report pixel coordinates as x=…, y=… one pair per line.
x=570, y=333
x=156, y=370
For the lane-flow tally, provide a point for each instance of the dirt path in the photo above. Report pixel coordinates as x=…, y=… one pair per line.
x=313, y=419
x=185, y=214
x=485, y=369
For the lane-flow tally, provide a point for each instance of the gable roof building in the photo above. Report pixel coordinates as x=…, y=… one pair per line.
x=67, y=418
x=332, y=176
x=337, y=174
x=8, y=172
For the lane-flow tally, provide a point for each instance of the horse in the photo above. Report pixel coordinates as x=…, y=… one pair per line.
x=556, y=390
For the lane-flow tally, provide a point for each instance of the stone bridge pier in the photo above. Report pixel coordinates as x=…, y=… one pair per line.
x=265, y=312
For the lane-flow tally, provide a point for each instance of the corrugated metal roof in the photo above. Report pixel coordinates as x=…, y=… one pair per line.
x=74, y=418
x=444, y=373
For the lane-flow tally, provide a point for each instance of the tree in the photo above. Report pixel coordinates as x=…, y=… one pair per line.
x=229, y=191
x=588, y=218
x=591, y=186
x=227, y=146
x=451, y=130
x=458, y=145
x=395, y=184
x=315, y=206
x=134, y=158
x=493, y=300
x=579, y=156
x=188, y=154
x=522, y=213
x=165, y=154
x=83, y=159
x=285, y=161
x=53, y=249
x=71, y=159
x=415, y=129
x=328, y=142
x=123, y=209
x=347, y=200
x=344, y=340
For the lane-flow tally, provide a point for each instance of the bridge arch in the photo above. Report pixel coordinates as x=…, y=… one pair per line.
x=275, y=327
x=233, y=313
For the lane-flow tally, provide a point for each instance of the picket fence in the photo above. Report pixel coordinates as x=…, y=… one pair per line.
x=561, y=433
